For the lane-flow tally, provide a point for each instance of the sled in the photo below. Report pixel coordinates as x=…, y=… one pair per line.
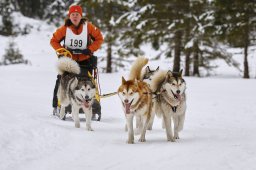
x=96, y=107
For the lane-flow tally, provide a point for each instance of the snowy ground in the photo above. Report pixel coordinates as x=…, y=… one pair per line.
x=219, y=129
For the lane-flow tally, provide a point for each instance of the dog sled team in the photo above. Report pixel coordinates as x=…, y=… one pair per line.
x=143, y=95
x=149, y=92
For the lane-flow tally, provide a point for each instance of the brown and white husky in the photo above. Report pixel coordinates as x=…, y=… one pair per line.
x=136, y=98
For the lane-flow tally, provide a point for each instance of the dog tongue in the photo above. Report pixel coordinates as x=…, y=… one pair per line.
x=127, y=108
x=86, y=104
x=178, y=97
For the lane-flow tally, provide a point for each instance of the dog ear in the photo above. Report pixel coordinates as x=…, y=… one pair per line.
x=169, y=74
x=147, y=69
x=74, y=84
x=180, y=73
x=123, y=80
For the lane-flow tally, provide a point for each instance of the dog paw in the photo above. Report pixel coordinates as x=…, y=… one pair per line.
x=171, y=139
x=130, y=142
x=149, y=128
x=89, y=129
x=176, y=137
x=142, y=140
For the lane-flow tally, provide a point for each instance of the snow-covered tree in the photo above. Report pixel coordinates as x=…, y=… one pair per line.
x=104, y=14
x=6, y=10
x=56, y=12
x=12, y=54
x=158, y=23
x=236, y=24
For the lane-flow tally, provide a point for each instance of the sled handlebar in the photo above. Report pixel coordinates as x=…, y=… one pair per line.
x=68, y=52
x=75, y=51
x=63, y=52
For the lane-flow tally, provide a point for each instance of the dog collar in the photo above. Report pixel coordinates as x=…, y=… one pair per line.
x=174, y=108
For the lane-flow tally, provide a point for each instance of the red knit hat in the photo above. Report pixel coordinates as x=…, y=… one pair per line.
x=75, y=8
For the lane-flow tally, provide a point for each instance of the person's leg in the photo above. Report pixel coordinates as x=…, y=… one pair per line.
x=96, y=109
x=85, y=66
x=55, y=98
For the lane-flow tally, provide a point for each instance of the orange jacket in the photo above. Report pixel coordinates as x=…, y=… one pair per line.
x=93, y=32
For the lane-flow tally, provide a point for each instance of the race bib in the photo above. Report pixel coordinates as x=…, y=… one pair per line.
x=74, y=41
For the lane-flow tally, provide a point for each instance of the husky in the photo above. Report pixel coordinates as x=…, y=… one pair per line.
x=170, y=102
x=146, y=76
x=136, y=98
x=75, y=90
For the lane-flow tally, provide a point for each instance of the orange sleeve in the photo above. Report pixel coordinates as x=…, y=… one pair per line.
x=57, y=37
x=96, y=34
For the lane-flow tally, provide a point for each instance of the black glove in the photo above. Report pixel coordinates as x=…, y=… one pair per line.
x=87, y=52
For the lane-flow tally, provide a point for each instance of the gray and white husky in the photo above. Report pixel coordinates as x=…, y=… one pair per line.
x=148, y=73
x=75, y=90
x=170, y=102
x=146, y=76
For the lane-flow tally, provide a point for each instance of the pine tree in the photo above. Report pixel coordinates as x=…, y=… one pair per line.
x=56, y=12
x=104, y=14
x=6, y=10
x=200, y=39
x=201, y=22
x=12, y=55
x=236, y=23
x=34, y=8
x=157, y=22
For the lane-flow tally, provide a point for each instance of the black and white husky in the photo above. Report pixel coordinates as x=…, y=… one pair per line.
x=75, y=90
x=170, y=102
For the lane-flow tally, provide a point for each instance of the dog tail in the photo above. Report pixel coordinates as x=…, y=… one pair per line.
x=137, y=66
x=66, y=64
x=157, y=80
x=143, y=72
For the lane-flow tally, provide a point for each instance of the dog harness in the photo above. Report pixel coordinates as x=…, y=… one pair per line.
x=73, y=41
x=161, y=96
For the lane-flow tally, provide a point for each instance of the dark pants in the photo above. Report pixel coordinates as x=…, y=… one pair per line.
x=55, y=99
